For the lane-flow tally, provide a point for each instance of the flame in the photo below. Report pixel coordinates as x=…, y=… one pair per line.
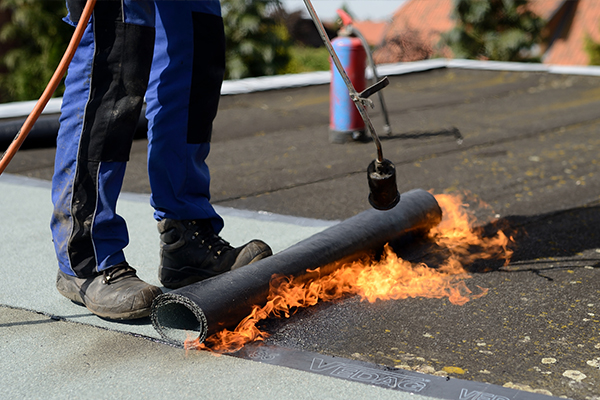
x=459, y=234
x=389, y=278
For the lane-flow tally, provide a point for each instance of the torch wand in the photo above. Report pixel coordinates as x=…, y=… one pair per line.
x=50, y=88
x=381, y=173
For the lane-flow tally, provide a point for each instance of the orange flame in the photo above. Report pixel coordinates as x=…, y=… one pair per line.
x=390, y=278
x=458, y=233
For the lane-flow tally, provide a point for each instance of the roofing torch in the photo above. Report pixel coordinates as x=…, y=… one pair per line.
x=381, y=173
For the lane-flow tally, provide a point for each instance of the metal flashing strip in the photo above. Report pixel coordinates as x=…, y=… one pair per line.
x=524, y=67
x=23, y=108
x=278, y=82
x=250, y=85
x=385, y=377
x=574, y=70
x=408, y=67
x=262, y=83
x=497, y=65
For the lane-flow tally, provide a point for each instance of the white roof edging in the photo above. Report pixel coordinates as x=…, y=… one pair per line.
x=249, y=85
x=574, y=70
x=408, y=67
x=24, y=108
x=497, y=65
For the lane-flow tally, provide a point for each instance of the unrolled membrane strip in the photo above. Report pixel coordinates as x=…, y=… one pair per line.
x=221, y=302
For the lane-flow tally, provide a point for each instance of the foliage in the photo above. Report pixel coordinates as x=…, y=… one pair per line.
x=257, y=44
x=503, y=30
x=307, y=59
x=592, y=49
x=37, y=38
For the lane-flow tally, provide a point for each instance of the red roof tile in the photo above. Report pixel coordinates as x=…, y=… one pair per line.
x=373, y=32
x=545, y=8
x=570, y=48
x=429, y=17
x=415, y=30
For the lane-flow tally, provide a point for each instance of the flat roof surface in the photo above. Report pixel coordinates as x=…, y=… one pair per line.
x=529, y=149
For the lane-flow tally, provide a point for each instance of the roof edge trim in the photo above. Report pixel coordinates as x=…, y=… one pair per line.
x=250, y=85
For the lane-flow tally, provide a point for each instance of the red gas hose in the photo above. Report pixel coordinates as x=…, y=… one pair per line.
x=50, y=88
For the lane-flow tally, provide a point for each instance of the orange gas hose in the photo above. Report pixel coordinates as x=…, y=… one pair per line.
x=50, y=88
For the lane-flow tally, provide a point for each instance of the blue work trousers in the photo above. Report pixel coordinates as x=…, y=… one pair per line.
x=171, y=53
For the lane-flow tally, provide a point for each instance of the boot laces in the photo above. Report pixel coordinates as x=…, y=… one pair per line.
x=117, y=273
x=209, y=238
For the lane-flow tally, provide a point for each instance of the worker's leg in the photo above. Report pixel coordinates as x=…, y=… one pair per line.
x=182, y=100
x=104, y=93
x=182, y=97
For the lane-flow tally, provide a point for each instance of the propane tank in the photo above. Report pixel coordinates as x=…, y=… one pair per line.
x=345, y=122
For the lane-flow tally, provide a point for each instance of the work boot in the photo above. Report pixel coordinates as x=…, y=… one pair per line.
x=116, y=293
x=191, y=251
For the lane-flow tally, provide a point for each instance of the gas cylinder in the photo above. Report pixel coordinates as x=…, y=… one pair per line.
x=345, y=122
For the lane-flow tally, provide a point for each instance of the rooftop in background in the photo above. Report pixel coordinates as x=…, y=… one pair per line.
x=374, y=32
x=571, y=22
x=416, y=27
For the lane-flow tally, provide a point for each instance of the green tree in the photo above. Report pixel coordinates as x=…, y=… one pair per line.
x=38, y=38
x=592, y=49
x=503, y=30
x=257, y=44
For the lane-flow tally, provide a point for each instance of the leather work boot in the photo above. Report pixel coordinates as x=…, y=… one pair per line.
x=191, y=251
x=116, y=293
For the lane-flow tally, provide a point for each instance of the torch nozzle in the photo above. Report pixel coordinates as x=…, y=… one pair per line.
x=381, y=176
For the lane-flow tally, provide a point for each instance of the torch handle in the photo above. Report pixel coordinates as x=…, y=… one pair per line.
x=352, y=91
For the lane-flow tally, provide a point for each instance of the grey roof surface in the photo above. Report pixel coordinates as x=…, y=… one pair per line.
x=529, y=149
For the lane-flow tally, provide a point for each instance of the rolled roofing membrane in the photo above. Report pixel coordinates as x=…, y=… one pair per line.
x=206, y=307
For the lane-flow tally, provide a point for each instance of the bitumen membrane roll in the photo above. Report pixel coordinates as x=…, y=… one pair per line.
x=46, y=127
x=221, y=302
